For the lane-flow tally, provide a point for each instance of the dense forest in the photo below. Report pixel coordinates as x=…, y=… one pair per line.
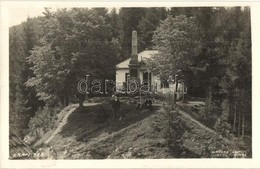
x=211, y=45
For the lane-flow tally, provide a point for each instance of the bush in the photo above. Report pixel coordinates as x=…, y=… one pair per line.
x=43, y=121
x=19, y=115
x=175, y=126
x=223, y=128
x=18, y=118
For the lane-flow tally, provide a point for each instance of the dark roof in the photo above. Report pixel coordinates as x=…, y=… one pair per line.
x=17, y=148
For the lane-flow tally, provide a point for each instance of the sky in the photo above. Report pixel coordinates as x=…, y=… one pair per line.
x=18, y=15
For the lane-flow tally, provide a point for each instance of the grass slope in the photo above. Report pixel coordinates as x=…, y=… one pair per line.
x=93, y=133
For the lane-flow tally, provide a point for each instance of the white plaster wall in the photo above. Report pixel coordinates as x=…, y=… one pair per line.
x=120, y=77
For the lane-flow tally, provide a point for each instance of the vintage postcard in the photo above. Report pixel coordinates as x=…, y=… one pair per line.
x=129, y=84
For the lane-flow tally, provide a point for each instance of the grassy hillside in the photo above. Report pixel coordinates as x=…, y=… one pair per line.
x=93, y=133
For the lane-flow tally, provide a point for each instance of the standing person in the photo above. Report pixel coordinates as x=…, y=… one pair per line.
x=116, y=106
x=148, y=102
x=139, y=103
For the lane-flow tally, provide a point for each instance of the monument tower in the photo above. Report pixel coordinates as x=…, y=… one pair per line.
x=134, y=82
x=133, y=64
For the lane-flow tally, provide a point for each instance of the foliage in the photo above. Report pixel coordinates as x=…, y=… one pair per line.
x=178, y=42
x=219, y=61
x=43, y=121
x=23, y=102
x=175, y=126
x=236, y=84
x=223, y=127
x=51, y=53
x=129, y=19
x=18, y=116
x=144, y=20
x=29, y=38
x=16, y=60
x=211, y=45
x=78, y=43
x=147, y=25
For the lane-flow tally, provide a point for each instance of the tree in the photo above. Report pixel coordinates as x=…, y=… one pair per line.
x=148, y=24
x=225, y=48
x=187, y=11
x=238, y=78
x=47, y=13
x=29, y=37
x=17, y=112
x=18, y=115
x=178, y=42
x=221, y=64
x=129, y=21
x=23, y=103
x=78, y=43
x=16, y=61
x=114, y=23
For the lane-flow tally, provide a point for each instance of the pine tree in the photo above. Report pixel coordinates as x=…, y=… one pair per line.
x=148, y=25
x=29, y=93
x=16, y=62
x=18, y=115
x=129, y=21
x=114, y=23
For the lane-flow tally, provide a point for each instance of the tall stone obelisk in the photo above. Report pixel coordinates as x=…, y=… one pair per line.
x=133, y=64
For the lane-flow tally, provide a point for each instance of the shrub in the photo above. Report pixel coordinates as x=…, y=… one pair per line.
x=175, y=126
x=223, y=128
x=19, y=115
x=42, y=122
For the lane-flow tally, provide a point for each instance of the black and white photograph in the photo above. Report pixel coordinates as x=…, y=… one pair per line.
x=117, y=83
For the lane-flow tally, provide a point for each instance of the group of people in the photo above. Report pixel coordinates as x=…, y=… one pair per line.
x=142, y=103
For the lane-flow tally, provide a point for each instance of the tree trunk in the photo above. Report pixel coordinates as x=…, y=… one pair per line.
x=81, y=98
x=80, y=104
x=239, y=123
x=243, y=124
x=235, y=115
x=64, y=101
x=67, y=100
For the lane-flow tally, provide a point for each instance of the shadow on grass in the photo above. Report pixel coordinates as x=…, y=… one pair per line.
x=88, y=122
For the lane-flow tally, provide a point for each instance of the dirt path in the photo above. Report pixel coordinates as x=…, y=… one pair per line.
x=74, y=106
x=186, y=115
x=65, y=120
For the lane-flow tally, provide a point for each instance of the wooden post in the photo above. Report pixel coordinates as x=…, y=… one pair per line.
x=127, y=84
x=87, y=79
x=183, y=91
x=148, y=80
